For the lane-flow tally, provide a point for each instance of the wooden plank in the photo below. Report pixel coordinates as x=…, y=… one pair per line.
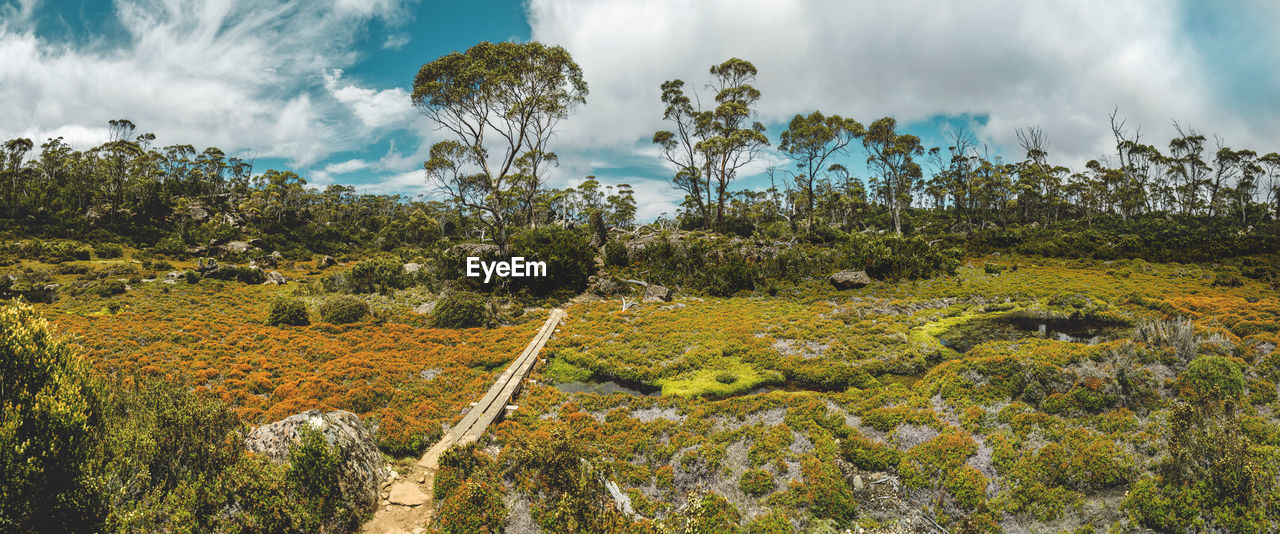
x=483, y=413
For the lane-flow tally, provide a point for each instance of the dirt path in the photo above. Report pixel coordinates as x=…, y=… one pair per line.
x=406, y=500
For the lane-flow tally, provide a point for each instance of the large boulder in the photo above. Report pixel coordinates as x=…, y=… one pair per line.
x=850, y=279
x=363, y=471
x=656, y=293
x=274, y=277
x=607, y=287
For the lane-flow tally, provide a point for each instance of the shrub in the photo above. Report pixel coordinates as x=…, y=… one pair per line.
x=287, y=311
x=569, y=257
x=315, y=472
x=726, y=378
x=376, y=274
x=110, y=288
x=615, y=254
x=47, y=411
x=1227, y=278
x=756, y=482
x=247, y=275
x=868, y=454
x=191, y=277
x=343, y=309
x=459, y=309
x=1212, y=378
x=108, y=250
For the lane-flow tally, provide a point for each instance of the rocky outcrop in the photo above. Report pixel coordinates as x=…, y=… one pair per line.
x=656, y=293
x=607, y=287
x=363, y=470
x=412, y=268
x=274, y=277
x=850, y=279
x=479, y=250
x=325, y=262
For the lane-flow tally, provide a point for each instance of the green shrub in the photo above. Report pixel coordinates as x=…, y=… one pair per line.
x=343, y=309
x=756, y=482
x=287, y=311
x=569, y=257
x=108, y=250
x=992, y=268
x=615, y=254
x=191, y=277
x=315, y=472
x=243, y=274
x=868, y=454
x=1227, y=278
x=460, y=309
x=110, y=288
x=376, y=274
x=48, y=408
x=1211, y=378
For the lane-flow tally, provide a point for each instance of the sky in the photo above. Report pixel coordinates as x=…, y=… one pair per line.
x=322, y=87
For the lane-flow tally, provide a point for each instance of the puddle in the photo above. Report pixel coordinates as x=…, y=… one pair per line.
x=1014, y=326
x=608, y=387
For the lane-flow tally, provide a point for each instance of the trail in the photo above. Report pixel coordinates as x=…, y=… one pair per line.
x=408, y=505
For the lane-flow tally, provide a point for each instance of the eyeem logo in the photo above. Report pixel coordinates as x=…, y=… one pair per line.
x=516, y=268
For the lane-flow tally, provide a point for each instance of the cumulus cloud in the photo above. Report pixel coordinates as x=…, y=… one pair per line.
x=1060, y=65
x=374, y=108
x=241, y=75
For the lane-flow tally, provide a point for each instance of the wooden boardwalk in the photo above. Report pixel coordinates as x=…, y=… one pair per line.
x=494, y=402
x=407, y=507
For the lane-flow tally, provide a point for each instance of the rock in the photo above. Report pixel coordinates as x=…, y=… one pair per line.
x=607, y=287
x=257, y=242
x=412, y=268
x=363, y=471
x=274, y=277
x=408, y=494
x=422, y=479
x=857, y=483
x=479, y=250
x=850, y=279
x=174, y=275
x=206, y=265
x=238, y=247
x=656, y=293
x=325, y=261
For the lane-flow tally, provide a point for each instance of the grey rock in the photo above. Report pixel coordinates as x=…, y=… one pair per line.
x=363, y=470
x=326, y=261
x=274, y=277
x=656, y=293
x=850, y=279
x=412, y=268
x=607, y=287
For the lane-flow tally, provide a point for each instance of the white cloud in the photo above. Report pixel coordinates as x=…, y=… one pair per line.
x=238, y=75
x=1060, y=65
x=344, y=167
x=374, y=108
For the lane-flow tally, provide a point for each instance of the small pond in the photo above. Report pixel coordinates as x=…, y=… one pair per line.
x=608, y=387
x=1014, y=326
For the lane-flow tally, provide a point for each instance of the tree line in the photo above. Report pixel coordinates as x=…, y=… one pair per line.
x=500, y=104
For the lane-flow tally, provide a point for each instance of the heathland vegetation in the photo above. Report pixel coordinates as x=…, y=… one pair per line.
x=1032, y=347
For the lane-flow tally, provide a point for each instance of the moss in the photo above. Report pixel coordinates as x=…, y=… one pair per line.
x=558, y=371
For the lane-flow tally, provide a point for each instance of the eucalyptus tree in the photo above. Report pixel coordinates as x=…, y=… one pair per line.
x=1187, y=169
x=811, y=140
x=498, y=103
x=709, y=147
x=892, y=156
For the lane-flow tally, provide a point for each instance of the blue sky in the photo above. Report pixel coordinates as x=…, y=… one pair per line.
x=321, y=87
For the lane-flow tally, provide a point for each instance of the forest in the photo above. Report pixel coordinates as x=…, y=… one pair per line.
x=1026, y=347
